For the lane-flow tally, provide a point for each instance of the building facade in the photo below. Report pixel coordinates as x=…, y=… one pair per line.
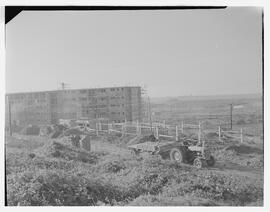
x=42, y=108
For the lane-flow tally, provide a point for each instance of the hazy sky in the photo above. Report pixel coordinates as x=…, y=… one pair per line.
x=172, y=52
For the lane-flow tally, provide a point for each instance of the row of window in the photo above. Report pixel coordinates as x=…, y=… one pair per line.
x=119, y=121
x=54, y=100
x=100, y=90
x=113, y=112
x=103, y=106
x=119, y=113
x=97, y=99
x=27, y=95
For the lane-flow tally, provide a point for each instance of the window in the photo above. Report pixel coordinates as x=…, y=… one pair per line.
x=83, y=99
x=91, y=92
x=112, y=89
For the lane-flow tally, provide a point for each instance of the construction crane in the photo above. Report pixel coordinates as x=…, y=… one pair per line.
x=63, y=85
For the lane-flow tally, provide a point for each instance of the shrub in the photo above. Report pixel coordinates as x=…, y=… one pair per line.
x=60, y=188
x=233, y=190
x=60, y=174
x=31, y=155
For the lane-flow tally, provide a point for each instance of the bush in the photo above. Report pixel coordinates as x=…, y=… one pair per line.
x=233, y=190
x=60, y=188
x=60, y=174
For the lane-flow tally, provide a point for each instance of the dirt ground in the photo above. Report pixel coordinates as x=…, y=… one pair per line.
x=45, y=171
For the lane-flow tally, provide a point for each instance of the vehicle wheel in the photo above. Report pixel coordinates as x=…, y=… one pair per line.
x=198, y=163
x=211, y=161
x=176, y=155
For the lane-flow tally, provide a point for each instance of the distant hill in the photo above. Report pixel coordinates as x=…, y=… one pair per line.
x=209, y=97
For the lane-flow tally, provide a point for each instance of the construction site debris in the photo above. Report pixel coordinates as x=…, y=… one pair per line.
x=58, y=130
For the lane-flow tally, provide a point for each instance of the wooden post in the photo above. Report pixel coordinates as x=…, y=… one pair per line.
x=100, y=126
x=123, y=129
x=157, y=132
x=97, y=129
x=164, y=123
x=199, y=133
x=150, y=113
x=231, y=109
x=137, y=128
x=182, y=127
x=109, y=128
x=219, y=133
x=176, y=133
x=241, y=135
x=203, y=144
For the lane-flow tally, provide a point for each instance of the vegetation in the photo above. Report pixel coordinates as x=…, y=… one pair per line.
x=52, y=172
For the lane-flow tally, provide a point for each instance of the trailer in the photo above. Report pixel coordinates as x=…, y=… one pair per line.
x=182, y=151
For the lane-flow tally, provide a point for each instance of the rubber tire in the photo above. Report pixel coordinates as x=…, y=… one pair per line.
x=180, y=155
x=198, y=163
x=211, y=161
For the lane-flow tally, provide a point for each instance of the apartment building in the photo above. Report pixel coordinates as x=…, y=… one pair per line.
x=111, y=104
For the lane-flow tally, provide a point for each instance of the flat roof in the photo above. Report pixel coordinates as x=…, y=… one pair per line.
x=79, y=89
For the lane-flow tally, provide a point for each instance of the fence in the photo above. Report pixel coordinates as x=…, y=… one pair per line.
x=160, y=130
x=230, y=133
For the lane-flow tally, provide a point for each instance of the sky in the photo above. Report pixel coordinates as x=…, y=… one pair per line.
x=168, y=52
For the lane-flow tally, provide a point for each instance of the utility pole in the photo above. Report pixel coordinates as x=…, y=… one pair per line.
x=231, y=110
x=150, y=113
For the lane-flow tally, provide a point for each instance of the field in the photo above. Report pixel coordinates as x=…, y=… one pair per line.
x=45, y=171
x=213, y=111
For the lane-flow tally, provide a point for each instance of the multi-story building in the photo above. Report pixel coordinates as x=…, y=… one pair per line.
x=113, y=104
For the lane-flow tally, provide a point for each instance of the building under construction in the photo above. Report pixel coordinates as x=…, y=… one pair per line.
x=114, y=104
